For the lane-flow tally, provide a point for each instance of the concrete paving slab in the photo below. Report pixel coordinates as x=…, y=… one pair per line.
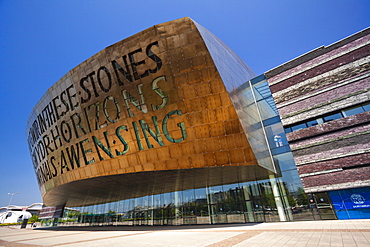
x=313, y=240
x=29, y=235
x=307, y=233
x=163, y=239
x=76, y=238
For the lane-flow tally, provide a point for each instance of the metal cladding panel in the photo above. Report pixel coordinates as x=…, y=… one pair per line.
x=140, y=110
x=236, y=76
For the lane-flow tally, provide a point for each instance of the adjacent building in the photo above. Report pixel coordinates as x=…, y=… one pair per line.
x=323, y=98
x=15, y=214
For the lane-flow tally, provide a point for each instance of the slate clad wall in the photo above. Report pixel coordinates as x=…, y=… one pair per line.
x=336, y=154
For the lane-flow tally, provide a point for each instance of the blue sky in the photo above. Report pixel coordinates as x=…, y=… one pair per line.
x=40, y=41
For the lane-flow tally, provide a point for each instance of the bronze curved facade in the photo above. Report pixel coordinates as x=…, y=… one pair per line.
x=165, y=110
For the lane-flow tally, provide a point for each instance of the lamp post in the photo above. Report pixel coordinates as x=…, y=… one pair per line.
x=11, y=197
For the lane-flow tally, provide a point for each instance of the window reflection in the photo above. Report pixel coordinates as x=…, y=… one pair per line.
x=334, y=116
x=299, y=127
x=366, y=107
x=312, y=123
x=231, y=203
x=353, y=111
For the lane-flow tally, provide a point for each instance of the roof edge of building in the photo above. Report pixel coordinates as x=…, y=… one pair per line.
x=315, y=53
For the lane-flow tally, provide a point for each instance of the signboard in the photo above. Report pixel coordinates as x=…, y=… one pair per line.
x=351, y=203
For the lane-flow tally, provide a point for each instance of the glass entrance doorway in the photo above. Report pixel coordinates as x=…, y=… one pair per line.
x=324, y=206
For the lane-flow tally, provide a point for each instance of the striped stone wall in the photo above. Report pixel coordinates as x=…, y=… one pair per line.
x=332, y=154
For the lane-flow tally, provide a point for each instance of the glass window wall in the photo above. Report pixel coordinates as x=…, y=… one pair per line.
x=346, y=112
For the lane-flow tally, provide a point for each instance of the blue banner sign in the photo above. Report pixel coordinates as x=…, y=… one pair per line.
x=351, y=203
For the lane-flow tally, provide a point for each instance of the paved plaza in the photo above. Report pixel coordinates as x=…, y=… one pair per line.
x=305, y=233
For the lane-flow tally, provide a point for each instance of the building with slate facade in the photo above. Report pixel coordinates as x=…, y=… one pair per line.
x=323, y=98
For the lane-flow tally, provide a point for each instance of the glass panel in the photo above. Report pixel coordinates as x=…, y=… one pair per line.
x=216, y=194
x=324, y=206
x=271, y=120
x=235, y=212
x=232, y=69
x=366, y=107
x=265, y=101
x=255, y=189
x=231, y=191
x=275, y=135
x=302, y=210
x=167, y=199
x=312, y=123
x=258, y=210
x=268, y=198
x=333, y=117
x=219, y=214
x=353, y=111
x=157, y=210
x=299, y=127
x=250, y=117
x=247, y=193
x=188, y=196
x=200, y=194
x=291, y=180
x=320, y=121
x=249, y=214
x=285, y=161
x=271, y=215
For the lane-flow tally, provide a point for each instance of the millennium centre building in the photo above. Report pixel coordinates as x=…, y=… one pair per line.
x=166, y=127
